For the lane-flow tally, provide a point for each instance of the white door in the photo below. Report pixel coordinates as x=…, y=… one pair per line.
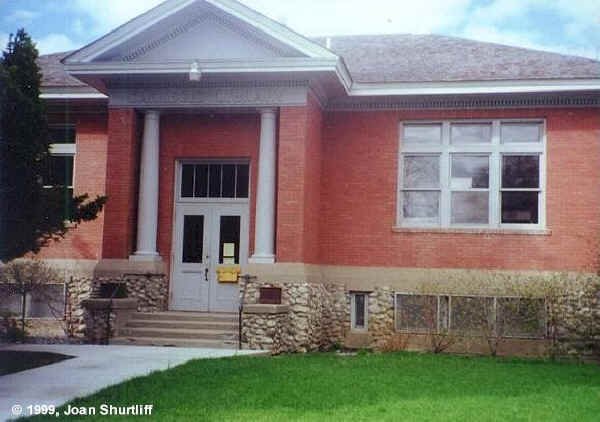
x=190, y=272
x=210, y=232
x=208, y=237
x=228, y=248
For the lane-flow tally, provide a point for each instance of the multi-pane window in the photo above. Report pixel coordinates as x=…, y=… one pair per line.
x=472, y=174
x=61, y=161
x=214, y=180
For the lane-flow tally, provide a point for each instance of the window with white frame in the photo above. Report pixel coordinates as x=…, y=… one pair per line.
x=359, y=305
x=61, y=162
x=487, y=174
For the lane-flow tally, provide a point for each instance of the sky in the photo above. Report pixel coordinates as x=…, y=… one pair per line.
x=564, y=26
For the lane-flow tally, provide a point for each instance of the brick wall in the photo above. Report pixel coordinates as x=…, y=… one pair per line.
x=85, y=241
x=358, y=211
x=337, y=188
x=122, y=175
x=203, y=136
x=299, y=183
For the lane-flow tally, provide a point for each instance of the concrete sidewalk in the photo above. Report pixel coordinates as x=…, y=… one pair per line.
x=93, y=368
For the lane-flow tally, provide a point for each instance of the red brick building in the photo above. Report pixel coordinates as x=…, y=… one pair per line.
x=226, y=142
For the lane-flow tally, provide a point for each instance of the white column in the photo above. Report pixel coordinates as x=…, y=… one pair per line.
x=148, y=195
x=264, y=234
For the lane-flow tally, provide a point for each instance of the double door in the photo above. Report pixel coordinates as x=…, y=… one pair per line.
x=208, y=237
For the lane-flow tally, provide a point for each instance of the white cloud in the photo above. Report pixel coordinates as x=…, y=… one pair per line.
x=526, y=39
x=3, y=41
x=485, y=21
x=108, y=14
x=576, y=34
x=21, y=17
x=54, y=43
x=318, y=17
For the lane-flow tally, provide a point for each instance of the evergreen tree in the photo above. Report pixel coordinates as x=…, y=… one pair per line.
x=31, y=216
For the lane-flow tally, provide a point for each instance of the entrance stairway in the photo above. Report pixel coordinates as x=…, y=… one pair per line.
x=180, y=329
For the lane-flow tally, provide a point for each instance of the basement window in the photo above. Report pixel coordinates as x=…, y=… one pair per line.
x=359, y=305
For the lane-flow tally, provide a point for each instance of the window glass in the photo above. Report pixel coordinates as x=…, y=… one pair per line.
x=229, y=243
x=228, y=190
x=359, y=311
x=201, y=183
x=61, y=134
x=242, y=181
x=214, y=180
x=521, y=132
x=421, y=205
x=470, y=207
x=521, y=171
x=422, y=171
x=469, y=133
x=60, y=171
x=193, y=239
x=416, y=312
x=423, y=133
x=470, y=172
x=187, y=181
x=520, y=207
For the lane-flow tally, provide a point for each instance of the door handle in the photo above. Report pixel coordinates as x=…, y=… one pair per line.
x=206, y=273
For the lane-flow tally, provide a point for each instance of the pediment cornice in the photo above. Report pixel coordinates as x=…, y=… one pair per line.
x=174, y=32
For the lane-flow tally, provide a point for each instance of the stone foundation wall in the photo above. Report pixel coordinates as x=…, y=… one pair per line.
x=576, y=320
x=312, y=321
x=381, y=316
x=264, y=330
x=151, y=291
x=97, y=323
x=318, y=318
x=79, y=288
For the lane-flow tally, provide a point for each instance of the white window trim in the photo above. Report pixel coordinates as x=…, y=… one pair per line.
x=353, y=313
x=63, y=149
x=495, y=150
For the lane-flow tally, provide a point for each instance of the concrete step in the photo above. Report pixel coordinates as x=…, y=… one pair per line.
x=186, y=324
x=186, y=316
x=180, y=333
x=173, y=342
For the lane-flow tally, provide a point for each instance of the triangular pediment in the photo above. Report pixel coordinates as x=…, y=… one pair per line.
x=204, y=37
x=188, y=30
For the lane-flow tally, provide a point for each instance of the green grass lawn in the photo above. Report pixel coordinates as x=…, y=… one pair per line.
x=14, y=361
x=402, y=386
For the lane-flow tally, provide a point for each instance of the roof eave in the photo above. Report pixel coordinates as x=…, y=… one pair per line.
x=520, y=86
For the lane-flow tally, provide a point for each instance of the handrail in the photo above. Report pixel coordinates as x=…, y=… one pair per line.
x=246, y=278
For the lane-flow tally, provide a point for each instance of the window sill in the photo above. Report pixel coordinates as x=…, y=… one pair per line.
x=438, y=230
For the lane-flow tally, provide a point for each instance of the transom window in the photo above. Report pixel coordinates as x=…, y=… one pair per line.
x=472, y=174
x=214, y=180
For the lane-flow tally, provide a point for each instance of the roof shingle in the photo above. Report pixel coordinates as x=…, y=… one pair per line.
x=416, y=58
x=436, y=58
x=53, y=71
